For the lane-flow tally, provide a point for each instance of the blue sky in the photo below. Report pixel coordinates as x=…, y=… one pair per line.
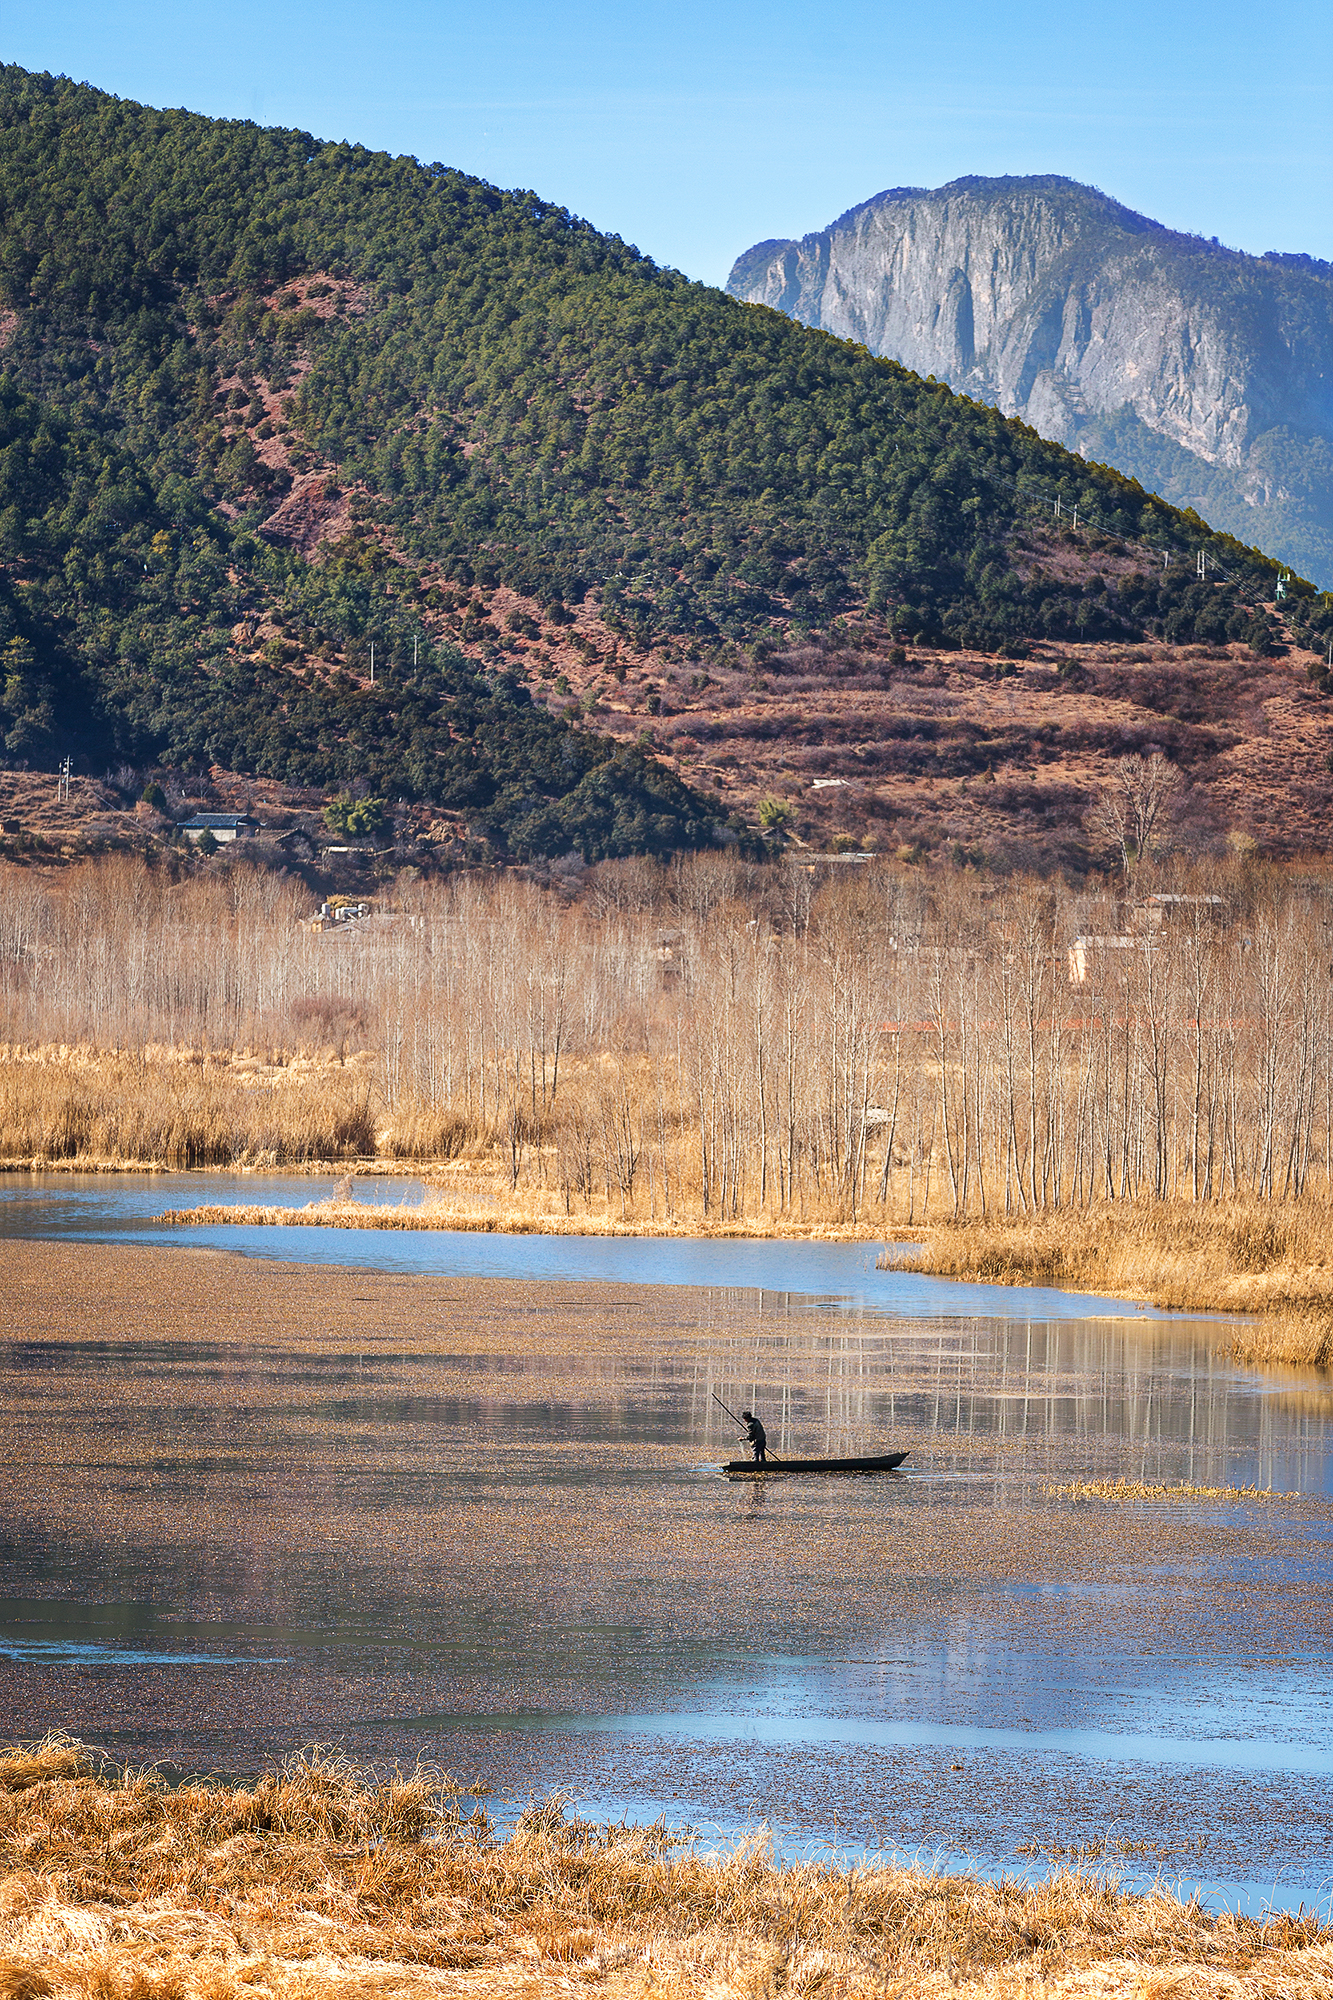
x=696, y=129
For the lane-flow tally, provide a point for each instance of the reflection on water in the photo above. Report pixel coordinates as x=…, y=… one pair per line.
x=86, y=1655
x=866, y=1732
x=1165, y=1408
x=494, y=1535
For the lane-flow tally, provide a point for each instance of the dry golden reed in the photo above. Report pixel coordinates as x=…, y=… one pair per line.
x=316, y=1882
x=719, y=1047
x=99, y=1109
x=1139, y=1489
x=1269, y=1260
x=711, y=1040
x=496, y=1211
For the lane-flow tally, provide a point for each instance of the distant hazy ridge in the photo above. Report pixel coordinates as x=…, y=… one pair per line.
x=1203, y=372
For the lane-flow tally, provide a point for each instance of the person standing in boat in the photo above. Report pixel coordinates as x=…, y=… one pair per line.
x=756, y=1437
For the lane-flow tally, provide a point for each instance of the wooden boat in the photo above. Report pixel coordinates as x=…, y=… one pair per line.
x=745, y=1468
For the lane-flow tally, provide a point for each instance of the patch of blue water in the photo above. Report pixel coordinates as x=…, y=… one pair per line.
x=1226, y=1752
x=53, y=1651
x=122, y=1208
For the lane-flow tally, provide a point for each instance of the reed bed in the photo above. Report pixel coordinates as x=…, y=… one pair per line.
x=1139, y=1489
x=99, y=1108
x=1122, y=1093
x=713, y=1040
x=498, y=1216
x=1269, y=1260
x=316, y=1881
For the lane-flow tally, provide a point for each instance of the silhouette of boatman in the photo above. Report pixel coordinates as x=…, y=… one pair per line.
x=756, y=1437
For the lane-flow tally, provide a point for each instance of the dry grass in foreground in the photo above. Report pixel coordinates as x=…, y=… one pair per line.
x=1272, y=1260
x=315, y=1882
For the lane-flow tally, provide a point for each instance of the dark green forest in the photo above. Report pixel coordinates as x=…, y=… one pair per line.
x=529, y=402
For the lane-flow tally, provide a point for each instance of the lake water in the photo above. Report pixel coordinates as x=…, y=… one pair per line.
x=121, y=1208
x=500, y=1542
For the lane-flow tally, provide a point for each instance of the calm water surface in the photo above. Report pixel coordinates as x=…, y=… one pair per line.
x=122, y=1208
x=526, y=1568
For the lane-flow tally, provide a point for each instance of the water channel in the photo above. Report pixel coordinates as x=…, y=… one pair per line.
x=504, y=1546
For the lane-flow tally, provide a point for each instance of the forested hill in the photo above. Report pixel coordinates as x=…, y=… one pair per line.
x=269, y=400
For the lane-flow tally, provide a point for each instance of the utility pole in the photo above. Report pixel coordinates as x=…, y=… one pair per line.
x=414, y=651
x=1076, y=517
x=62, y=785
x=1201, y=566
x=372, y=663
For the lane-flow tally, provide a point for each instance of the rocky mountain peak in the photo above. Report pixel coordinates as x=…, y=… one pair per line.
x=1202, y=371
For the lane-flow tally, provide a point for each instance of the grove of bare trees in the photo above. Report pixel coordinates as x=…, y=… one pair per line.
x=712, y=1040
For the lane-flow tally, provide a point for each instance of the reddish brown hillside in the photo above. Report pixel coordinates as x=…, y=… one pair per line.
x=938, y=752
x=1001, y=759
x=950, y=755
x=925, y=753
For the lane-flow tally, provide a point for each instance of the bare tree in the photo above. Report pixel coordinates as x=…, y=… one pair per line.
x=1135, y=806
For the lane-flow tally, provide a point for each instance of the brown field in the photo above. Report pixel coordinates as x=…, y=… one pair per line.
x=942, y=757
x=318, y=1882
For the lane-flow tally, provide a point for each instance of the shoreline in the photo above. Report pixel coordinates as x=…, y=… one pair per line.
x=318, y=1877
x=1266, y=1264
x=1176, y=1262
x=246, y=1468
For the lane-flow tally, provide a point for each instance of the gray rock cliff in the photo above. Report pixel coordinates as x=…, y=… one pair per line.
x=1204, y=372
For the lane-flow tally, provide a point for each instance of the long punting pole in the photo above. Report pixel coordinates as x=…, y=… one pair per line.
x=722, y=1406
x=736, y=1420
